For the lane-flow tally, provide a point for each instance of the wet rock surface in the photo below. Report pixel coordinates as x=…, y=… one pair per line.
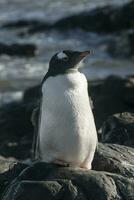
x=111, y=96
x=119, y=129
x=115, y=158
x=27, y=50
x=122, y=45
x=9, y=170
x=16, y=130
x=106, y=19
x=111, y=178
x=21, y=23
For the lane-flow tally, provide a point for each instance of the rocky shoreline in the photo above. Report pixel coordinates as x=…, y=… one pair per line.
x=106, y=20
x=112, y=176
x=115, y=20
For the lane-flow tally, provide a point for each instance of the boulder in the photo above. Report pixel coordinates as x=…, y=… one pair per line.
x=110, y=96
x=105, y=19
x=9, y=170
x=112, y=177
x=22, y=23
x=122, y=45
x=115, y=159
x=16, y=130
x=119, y=129
x=28, y=50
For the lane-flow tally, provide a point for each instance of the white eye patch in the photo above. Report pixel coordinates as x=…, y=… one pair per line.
x=61, y=55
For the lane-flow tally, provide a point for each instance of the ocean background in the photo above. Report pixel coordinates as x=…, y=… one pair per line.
x=19, y=73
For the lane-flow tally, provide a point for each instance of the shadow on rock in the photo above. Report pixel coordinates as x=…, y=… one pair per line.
x=28, y=50
x=111, y=96
x=16, y=130
x=122, y=45
x=106, y=19
x=119, y=129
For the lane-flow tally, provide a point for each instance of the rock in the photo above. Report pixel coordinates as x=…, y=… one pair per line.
x=111, y=96
x=9, y=170
x=119, y=129
x=5, y=163
x=16, y=130
x=28, y=26
x=116, y=159
x=97, y=20
x=27, y=50
x=38, y=190
x=112, y=178
x=106, y=19
x=122, y=45
x=22, y=23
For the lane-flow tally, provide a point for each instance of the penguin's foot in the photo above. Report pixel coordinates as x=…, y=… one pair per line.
x=61, y=163
x=86, y=166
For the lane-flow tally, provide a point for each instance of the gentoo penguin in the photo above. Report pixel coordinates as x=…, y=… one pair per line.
x=66, y=132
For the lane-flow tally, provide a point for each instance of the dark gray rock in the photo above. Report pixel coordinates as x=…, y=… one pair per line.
x=34, y=190
x=113, y=158
x=111, y=96
x=16, y=130
x=122, y=45
x=112, y=178
x=20, y=50
x=119, y=129
x=105, y=19
x=9, y=170
x=22, y=23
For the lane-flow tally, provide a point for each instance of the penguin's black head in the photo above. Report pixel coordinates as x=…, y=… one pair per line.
x=63, y=61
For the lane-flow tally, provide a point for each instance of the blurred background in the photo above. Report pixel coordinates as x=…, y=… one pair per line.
x=31, y=31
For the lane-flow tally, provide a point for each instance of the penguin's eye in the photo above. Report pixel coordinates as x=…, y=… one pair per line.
x=65, y=58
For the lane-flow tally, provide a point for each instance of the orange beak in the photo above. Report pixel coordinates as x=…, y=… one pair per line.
x=84, y=54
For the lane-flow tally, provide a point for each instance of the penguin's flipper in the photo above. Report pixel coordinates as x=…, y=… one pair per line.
x=35, y=116
x=35, y=119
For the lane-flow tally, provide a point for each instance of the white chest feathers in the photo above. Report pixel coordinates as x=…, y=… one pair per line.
x=67, y=130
